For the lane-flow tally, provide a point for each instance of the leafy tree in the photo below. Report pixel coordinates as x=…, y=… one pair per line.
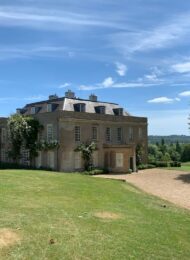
x=23, y=133
x=178, y=147
x=87, y=152
x=186, y=153
x=139, y=154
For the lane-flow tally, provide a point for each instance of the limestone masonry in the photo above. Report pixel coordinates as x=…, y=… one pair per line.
x=71, y=121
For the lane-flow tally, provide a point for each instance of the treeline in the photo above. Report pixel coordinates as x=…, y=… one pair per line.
x=168, y=152
x=182, y=139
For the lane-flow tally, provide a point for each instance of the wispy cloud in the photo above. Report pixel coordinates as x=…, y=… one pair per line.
x=168, y=34
x=185, y=94
x=163, y=100
x=52, y=19
x=30, y=98
x=28, y=51
x=121, y=69
x=65, y=85
x=109, y=83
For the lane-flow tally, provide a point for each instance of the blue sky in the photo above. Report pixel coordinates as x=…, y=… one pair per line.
x=132, y=52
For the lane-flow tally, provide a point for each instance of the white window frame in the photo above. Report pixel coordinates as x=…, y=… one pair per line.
x=140, y=133
x=94, y=133
x=119, y=134
x=49, y=107
x=108, y=134
x=33, y=110
x=49, y=132
x=51, y=159
x=131, y=134
x=77, y=133
x=119, y=160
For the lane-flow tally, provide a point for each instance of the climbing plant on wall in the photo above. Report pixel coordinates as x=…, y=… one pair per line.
x=87, y=152
x=23, y=133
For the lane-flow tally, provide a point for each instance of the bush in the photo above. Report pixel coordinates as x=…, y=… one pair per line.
x=161, y=164
x=96, y=171
x=146, y=166
x=175, y=164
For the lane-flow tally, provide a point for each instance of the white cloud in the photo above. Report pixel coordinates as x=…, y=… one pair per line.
x=108, y=82
x=161, y=37
x=121, y=69
x=65, y=85
x=55, y=19
x=185, y=94
x=181, y=67
x=161, y=100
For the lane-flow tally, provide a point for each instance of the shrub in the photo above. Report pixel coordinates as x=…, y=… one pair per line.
x=161, y=164
x=175, y=164
x=96, y=171
x=146, y=166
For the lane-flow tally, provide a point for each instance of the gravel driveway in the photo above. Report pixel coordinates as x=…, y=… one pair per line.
x=171, y=185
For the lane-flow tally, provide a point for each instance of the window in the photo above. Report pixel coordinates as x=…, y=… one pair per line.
x=33, y=110
x=118, y=111
x=100, y=110
x=25, y=157
x=130, y=134
x=119, y=134
x=77, y=160
x=49, y=132
x=49, y=107
x=94, y=133
x=39, y=160
x=3, y=135
x=140, y=133
x=77, y=133
x=95, y=158
x=51, y=159
x=119, y=160
x=80, y=107
x=108, y=134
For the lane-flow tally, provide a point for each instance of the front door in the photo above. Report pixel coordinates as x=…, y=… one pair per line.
x=131, y=164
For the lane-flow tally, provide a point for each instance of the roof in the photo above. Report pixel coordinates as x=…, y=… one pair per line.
x=67, y=104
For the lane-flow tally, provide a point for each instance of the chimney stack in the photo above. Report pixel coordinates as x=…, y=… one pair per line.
x=69, y=94
x=93, y=97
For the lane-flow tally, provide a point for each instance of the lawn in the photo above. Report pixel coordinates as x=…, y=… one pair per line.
x=71, y=216
x=184, y=167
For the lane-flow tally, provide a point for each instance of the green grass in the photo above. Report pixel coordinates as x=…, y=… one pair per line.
x=184, y=167
x=44, y=205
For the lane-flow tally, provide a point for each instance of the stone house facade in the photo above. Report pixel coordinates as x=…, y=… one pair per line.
x=71, y=121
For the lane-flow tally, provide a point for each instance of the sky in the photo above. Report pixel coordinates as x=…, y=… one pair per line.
x=132, y=52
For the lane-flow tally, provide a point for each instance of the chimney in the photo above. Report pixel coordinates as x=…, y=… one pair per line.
x=51, y=97
x=93, y=97
x=69, y=94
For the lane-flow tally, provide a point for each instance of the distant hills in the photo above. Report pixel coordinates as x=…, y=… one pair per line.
x=183, y=139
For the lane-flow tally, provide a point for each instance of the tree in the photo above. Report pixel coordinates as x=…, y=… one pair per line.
x=139, y=154
x=23, y=133
x=186, y=153
x=87, y=152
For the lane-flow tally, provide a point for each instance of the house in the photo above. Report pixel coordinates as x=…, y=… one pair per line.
x=70, y=120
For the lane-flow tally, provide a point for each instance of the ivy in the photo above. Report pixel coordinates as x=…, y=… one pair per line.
x=87, y=151
x=23, y=133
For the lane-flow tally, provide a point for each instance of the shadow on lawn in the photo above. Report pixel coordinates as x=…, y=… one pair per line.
x=184, y=177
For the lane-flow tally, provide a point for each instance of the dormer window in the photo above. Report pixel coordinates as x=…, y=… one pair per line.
x=100, y=110
x=118, y=111
x=80, y=107
x=35, y=110
x=49, y=107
